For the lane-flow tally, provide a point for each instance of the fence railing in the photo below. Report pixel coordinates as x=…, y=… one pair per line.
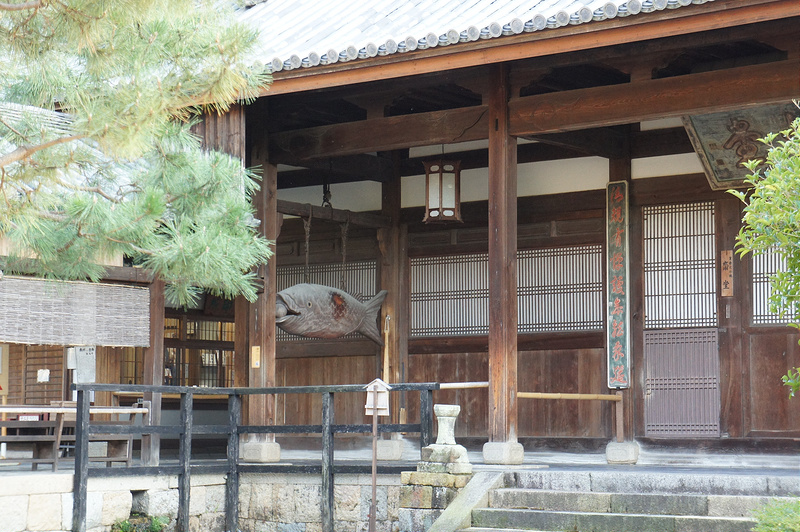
x=232, y=467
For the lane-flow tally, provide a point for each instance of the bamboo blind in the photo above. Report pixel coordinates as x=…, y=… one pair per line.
x=39, y=311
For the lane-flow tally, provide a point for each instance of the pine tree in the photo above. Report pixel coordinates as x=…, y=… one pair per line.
x=96, y=156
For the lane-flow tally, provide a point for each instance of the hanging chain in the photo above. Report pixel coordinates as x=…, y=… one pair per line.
x=307, y=227
x=344, y=227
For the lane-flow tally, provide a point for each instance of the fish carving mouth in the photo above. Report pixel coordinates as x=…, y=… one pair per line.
x=284, y=309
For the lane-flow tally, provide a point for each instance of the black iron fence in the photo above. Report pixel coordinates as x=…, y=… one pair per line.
x=233, y=429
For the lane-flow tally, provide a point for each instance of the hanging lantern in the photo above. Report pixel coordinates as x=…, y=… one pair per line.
x=442, y=191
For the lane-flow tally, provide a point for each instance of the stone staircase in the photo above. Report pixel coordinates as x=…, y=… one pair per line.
x=630, y=500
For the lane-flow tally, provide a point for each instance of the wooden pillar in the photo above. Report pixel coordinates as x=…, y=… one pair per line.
x=392, y=243
x=619, y=169
x=153, y=374
x=261, y=328
x=502, y=277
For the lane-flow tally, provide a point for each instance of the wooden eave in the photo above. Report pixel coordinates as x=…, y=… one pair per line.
x=691, y=19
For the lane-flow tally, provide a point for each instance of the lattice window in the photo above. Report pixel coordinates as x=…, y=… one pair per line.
x=360, y=281
x=680, y=266
x=764, y=266
x=559, y=289
x=450, y=295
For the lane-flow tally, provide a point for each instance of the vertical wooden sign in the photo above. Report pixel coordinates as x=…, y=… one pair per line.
x=618, y=285
x=726, y=273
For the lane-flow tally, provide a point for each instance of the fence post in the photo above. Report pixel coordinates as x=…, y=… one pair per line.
x=327, y=462
x=185, y=452
x=425, y=417
x=232, y=483
x=81, y=478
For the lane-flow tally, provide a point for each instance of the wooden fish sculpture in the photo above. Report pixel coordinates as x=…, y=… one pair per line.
x=317, y=311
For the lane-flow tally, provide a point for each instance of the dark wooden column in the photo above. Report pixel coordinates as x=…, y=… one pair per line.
x=502, y=264
x=261, y=409
x=153, y=373
x=619, y=169
x=392, y=242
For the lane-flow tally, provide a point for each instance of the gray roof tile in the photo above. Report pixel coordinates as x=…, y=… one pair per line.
x=307, y=33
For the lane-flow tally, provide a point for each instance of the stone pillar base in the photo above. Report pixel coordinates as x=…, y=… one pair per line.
x=260, y=451
x=503, y=452
x=622, y=453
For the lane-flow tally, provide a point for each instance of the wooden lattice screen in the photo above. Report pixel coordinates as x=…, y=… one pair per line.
x=764, y=266
x=559, y=289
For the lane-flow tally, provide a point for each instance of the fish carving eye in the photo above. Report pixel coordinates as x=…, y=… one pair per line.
x=308, y=304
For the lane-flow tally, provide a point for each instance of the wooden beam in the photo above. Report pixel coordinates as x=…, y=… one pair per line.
x=603, y=142
x=364, y=219
x=669, y=23
x=383, y=134
x=502, y=264
x=365, y=166
x=557, y=112
x=706, y=92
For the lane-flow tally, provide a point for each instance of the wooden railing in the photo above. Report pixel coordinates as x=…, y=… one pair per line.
x=233, y=429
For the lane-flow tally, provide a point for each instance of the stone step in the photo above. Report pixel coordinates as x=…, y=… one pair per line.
x=634, y=503
x=505, y=519
x=644, y=481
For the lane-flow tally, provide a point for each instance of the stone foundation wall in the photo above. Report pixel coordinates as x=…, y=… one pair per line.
x=39, y=502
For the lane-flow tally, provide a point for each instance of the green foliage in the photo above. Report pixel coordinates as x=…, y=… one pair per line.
x=771, y=222
x=96, y=154
x=778, y=516
x=141, y=523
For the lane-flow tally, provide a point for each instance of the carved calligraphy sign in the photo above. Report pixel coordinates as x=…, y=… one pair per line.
x=618, y=285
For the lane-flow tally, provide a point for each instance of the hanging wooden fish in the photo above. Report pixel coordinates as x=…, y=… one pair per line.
x=317, y=311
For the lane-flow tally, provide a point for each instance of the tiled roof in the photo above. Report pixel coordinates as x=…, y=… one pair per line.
x=307, y=33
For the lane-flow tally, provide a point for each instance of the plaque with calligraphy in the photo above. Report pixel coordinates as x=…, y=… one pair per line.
x=618, y=317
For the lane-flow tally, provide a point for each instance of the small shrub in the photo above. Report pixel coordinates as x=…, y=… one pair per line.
x=778, y=516
x=141, y=523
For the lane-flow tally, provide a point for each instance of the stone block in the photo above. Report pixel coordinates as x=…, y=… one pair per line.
x=284, y=503
x=416, y=496
x=215, y=499
x=414, y=520
x=428, y=479
x=622, y=453
x=291, y=527
x=459, y=468
x=116, y=507
x=15, y=520
x=66, y=510
x=308, y=500
x=432, y=467
x=733, y=506
x=197, y=500
x=44, y=512
x=507, y=453
x=381, y=503
x=162, y=503
x=261, y=452
x=444, y=454
x=346, y=503
x=261, y=504
x=94, y=510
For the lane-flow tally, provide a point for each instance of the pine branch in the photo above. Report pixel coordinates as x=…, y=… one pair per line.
x=25, y=151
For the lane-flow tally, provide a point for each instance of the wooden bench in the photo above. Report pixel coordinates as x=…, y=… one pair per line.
x=50, y=439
